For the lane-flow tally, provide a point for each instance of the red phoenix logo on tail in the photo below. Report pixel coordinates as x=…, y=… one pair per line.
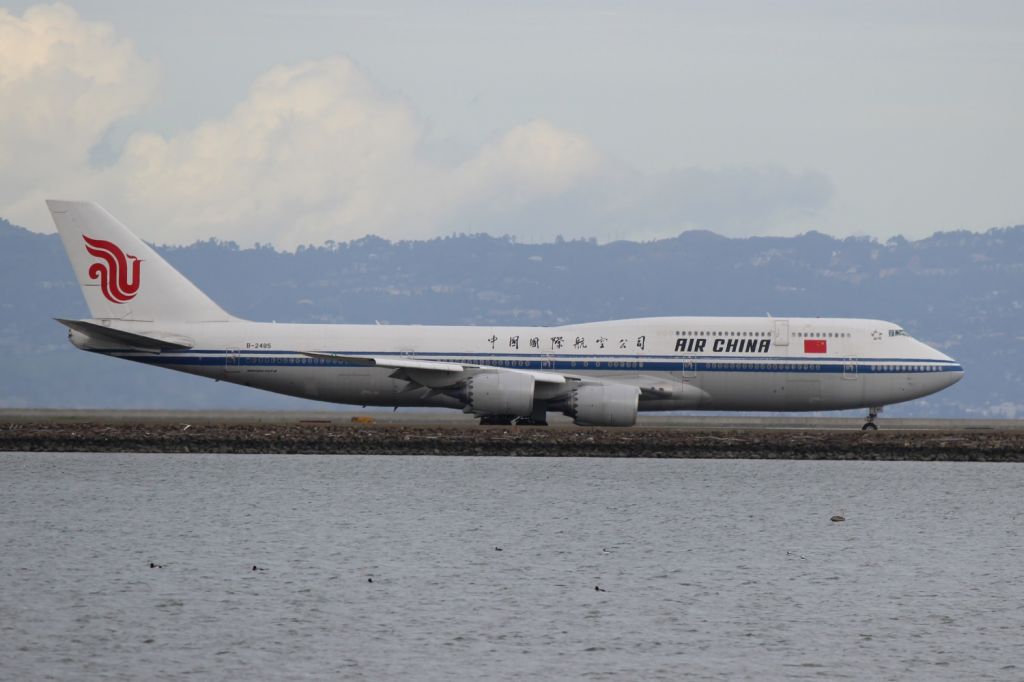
x=118, y=285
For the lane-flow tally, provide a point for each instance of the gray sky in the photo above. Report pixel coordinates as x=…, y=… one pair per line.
x=304, y=121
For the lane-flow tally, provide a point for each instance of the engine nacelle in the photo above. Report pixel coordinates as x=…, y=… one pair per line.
x=604, y=405
x=504, y=393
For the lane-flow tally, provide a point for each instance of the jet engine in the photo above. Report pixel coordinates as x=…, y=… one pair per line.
x=603, y=405
x=503, y=393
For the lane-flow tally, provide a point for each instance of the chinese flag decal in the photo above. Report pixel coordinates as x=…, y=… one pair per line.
x=815, y=346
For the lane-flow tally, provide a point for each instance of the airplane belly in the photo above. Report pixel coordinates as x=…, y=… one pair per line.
x=344, y=385
x=357, y=385
x=803, y=393
x=841, y=390
x=349, y=385
x=926, y=384
x=375, y=386
x=737, y=390
x=895, y=388
x=786, y=391
x=882, y=389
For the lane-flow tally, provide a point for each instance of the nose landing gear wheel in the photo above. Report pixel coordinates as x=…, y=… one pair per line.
x=870, y=425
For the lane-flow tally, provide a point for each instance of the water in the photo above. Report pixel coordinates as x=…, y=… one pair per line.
x=717, y=570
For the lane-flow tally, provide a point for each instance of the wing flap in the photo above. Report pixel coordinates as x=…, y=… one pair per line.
x=389, y=362
x=540, y=377
x=419, y=365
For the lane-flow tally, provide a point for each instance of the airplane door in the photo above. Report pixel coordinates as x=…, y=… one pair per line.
x=687, y=395
x=850, y=388
x=231, y=361
x=781, y=333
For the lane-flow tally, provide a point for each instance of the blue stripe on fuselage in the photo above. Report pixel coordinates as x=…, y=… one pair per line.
x=627, y=363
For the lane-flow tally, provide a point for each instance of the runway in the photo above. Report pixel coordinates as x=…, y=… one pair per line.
x=447, y=434
x=450, y=418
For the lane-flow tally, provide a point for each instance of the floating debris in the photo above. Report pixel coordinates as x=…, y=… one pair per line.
x=838, y=518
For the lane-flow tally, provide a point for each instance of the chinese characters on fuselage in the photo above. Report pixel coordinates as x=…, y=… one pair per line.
x=682, y=345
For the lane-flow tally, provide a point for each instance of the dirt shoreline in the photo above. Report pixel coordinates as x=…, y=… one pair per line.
x=389, y=439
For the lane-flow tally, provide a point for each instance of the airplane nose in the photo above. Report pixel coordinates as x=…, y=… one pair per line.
x=954, y=373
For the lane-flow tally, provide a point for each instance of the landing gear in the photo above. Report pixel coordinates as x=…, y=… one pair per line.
x=510, y=419
x=531, y=421
x=870, y=424
x=496, y=419
x=538, y=418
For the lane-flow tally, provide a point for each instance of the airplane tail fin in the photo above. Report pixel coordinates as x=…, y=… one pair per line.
x=121, y=277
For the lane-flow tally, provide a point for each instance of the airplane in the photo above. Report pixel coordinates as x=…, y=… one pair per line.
x=597, y=373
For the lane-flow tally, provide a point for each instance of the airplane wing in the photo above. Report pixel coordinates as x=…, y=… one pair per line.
x=414, y=366
x=392, y=362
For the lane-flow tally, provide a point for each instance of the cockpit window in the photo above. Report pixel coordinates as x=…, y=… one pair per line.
x=898, y=332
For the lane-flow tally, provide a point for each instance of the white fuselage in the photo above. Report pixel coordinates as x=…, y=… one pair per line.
x=679, y=363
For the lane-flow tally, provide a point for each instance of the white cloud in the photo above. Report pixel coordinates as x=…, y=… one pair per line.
x=316, y=151
x=63, y=83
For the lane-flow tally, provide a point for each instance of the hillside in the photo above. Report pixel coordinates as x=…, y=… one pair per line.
x=959, y=291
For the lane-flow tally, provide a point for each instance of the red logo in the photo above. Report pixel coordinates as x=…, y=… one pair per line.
x=118, y=285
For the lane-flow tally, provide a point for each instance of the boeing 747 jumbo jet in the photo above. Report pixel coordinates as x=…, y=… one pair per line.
x=598, y=373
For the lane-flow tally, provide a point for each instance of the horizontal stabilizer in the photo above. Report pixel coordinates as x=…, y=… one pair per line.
x=101, y=332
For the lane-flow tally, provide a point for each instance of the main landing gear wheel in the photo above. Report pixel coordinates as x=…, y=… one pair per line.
x=870, y=424
x=530, y=421
x=496, y=420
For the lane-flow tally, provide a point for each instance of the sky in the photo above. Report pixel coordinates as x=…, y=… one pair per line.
x=300, y=122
